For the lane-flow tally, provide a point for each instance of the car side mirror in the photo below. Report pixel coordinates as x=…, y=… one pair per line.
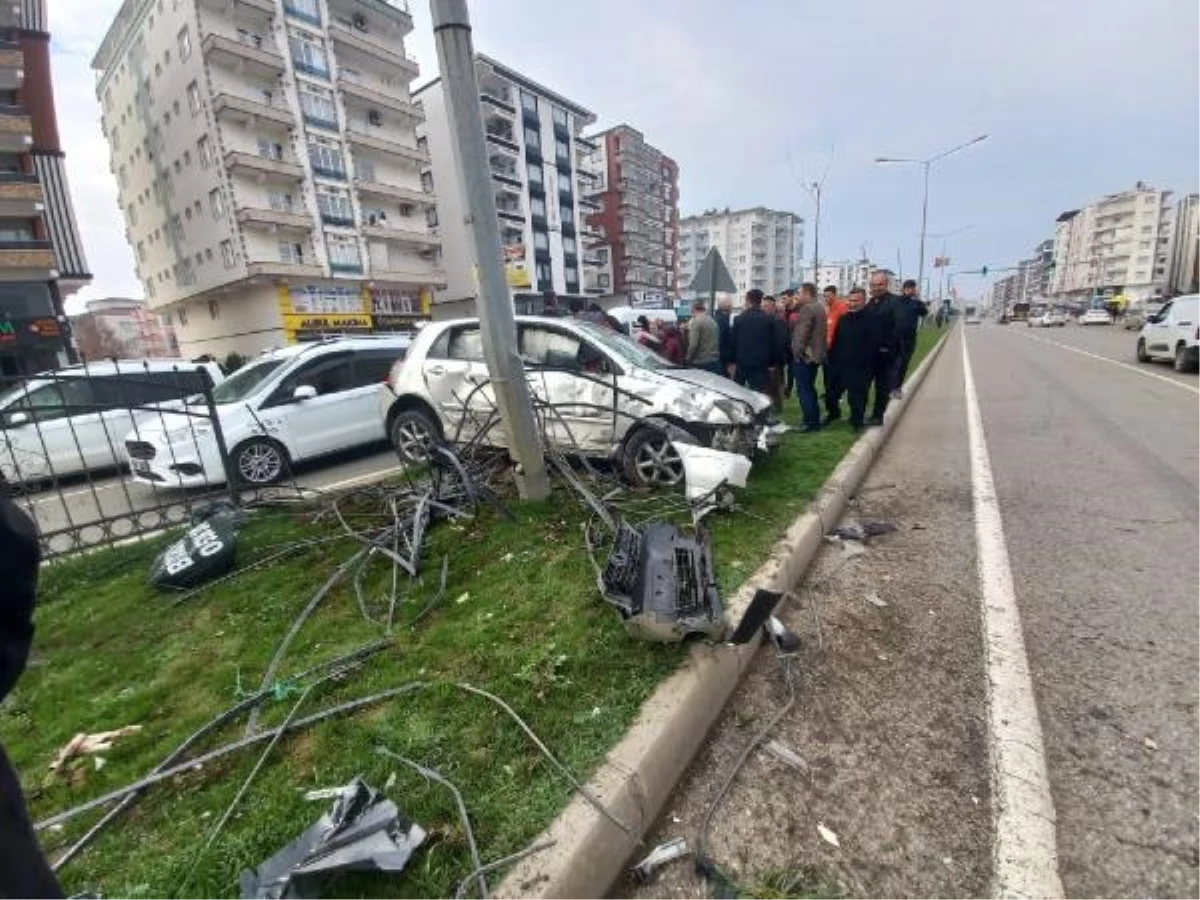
x=304, y=392
x=17, y=419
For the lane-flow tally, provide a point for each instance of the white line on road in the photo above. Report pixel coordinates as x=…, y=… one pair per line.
x=1025, y=855
x=377, y=475
x=1115, y=362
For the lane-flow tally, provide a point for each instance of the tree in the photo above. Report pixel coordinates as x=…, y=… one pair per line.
x=96, y=340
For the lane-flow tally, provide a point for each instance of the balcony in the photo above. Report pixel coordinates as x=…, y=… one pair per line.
x=354, y=88
x=383, y=145
x=502, y=139
x=508, y=178
x=375, y=46
x=277, y=269
x=262, y=168
x=493, y=99
x=16, y=129
x=396, y=192
x=301, y=15
x=26, y=257
x=12, y=69
x=409, y=272
x=242, y=55
x=402, y=235
x=395, y=11
x=253, y=112
x=263, y=9
x=586, y=143
x=274, y=219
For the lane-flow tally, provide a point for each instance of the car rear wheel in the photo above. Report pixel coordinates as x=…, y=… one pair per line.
x=259, y=462
x=413, y=434
x=651, y=459
x=1142, y=355
x=1181, y=360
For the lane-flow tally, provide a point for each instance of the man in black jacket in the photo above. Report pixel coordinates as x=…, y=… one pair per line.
x=882, y=308
x=910, y=310
x=854, y=352
x=23, y=869
x=754, y=345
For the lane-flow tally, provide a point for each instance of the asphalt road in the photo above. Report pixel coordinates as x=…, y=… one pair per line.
x=87, y=511
x=1094, y=461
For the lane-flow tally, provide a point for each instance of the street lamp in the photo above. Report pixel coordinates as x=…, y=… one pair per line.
x=926, y=164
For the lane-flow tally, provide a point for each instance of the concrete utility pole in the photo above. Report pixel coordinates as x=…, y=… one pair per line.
x=497, y=323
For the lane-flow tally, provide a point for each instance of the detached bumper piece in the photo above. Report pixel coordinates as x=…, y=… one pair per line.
x=662, y=581
x=361, y=832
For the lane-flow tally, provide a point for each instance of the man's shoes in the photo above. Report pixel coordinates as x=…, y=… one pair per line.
x=874, y=421
x=898, y=394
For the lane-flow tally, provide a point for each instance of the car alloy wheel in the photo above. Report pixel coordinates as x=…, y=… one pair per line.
x=413, y=436
x=260, y=462
x=657, y=462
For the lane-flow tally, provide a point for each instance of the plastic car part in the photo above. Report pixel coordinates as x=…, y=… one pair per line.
x=705, y=469
x=659, y=856
x=361, y=832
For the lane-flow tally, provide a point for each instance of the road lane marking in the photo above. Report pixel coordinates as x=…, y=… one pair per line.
x=1115, y=362
x=1024, y=854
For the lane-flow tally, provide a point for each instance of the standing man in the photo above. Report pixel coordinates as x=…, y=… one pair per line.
x=753, y=344
x=910, y=310
x=854, y=353
x=882, y=308
x=808, y=352
x=703, y=340
x=787, y=312
x=724, y=319
x=779, y=351
x=835, y=306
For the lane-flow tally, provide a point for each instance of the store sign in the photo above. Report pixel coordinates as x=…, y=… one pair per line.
x=516, y=271
x=311, y=312
x=398, y=310
x=30, y=331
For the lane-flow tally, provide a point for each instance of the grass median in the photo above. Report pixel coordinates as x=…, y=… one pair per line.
x=520, y=618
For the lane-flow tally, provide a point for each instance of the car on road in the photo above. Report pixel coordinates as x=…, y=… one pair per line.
x=1095, y=316
x=72, y=420
x=281, y=408
x=1049, y=319
x=1173, y=334
x=601, y=395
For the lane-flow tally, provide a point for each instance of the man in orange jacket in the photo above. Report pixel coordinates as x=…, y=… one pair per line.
x=835, y=306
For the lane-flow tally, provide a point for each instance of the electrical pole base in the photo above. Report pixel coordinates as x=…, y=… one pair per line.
x=532, y=488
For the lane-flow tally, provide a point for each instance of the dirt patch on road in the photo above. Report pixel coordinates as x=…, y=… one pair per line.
x=889, y=723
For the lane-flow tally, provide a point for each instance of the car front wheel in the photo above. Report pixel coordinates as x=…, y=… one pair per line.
x=413, y=435
x=651, y=459
x=259, y=462
x=1142, y=355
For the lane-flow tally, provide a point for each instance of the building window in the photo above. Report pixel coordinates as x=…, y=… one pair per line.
x=214, y=310
x=541, y=241
x=317, y=105
x=343, y=253
x=562, y=150
x=423, y=143
x=335, y=206
x=533, y=140
x=291, y=252
x=326, y=158
x=185, y=43
x=281, y=201
x=559, y=115
x=534, y=174
x=537, y=206
x=529, y=102
x=572, y=275
x=431, y=219
x=216, y=203
x=141, y=251
x=131, y=214
x=270, y=149
x=568, y=245
x=427, y=182
x=308, y=54
x=204, y=151
x=543, y=274
x=227, y=254
x=602, y=281
x=303, y=9
x=365, y=169
x=193, y=96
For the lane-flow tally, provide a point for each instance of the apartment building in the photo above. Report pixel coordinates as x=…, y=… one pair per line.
x=842, y=275
x=541, y=178
x=1119, y=245
x=1183, y=272
x=122, y=327
x=763, y=248
x=41, y=256
x=268, y=167
x=637, y=225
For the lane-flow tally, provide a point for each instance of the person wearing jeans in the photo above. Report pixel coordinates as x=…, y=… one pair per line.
x=808, y=353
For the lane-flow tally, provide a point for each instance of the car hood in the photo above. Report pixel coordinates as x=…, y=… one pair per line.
x=709, y=381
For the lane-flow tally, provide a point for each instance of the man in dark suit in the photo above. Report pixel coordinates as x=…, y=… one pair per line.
x=882, y=308
x=754, y=344
x=854, y=352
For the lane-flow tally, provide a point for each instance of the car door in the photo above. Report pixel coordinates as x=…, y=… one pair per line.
x=371, y=369
x=457, y=382
x=321, y=424
x=572, y=381
x=1158, y=333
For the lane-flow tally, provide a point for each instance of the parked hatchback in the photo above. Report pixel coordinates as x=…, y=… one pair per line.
x=281, y=408
x=1172, y=334
x=73, y=420
x=610, y=396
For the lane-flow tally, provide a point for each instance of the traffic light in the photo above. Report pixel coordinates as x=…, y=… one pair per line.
x=983, y=271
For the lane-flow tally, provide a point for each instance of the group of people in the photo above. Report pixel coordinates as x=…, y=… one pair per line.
x=854, y=342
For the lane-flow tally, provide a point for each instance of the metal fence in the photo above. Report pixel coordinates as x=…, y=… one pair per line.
x=108, y=451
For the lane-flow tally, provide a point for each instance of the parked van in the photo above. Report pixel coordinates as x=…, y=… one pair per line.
x=75, y=419
x=1172, y=334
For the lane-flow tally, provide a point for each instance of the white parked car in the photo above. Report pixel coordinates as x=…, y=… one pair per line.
x=1095, y=316
x=614, y=398
x=1049, y=319
x=281, y=408
x=73, y=420
x=1173, y=333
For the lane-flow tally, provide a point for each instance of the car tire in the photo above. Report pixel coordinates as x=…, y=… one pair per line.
x=649, y=460
x=1181, y=361
x=259, y=462
x=1142, y=355
x=411, y=430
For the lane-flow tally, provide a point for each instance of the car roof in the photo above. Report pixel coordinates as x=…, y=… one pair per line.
x=329, y=345
x=105, y=366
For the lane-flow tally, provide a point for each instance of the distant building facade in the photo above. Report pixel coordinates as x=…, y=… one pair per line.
x=762, y=248
x=124, y=328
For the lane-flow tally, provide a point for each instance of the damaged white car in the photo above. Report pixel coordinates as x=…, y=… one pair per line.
x=596, y=393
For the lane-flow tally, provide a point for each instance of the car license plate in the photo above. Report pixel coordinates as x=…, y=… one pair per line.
x=140, y=467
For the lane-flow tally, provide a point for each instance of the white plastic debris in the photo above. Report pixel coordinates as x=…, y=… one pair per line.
x=851, y=549
x=704, y=469
x=91, y=743
x=875, y=600
x=1150, y=743
x=827, y=835
x=786, y=754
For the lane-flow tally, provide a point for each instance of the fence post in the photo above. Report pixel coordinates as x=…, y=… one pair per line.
x=219, y=435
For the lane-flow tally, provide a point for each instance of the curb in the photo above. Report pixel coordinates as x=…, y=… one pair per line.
x=638, y=774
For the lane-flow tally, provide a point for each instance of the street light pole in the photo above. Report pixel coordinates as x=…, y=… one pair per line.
x=497, y=323
x=816, y=191
x=927, y=164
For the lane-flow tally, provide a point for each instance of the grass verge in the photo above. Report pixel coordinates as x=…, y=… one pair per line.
x=520, y=619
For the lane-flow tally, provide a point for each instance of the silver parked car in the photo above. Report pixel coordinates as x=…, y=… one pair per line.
x=600, y=395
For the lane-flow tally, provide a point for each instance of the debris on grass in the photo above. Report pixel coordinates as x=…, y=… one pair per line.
x=875, y=600
x=83, y=744
x=827, y=835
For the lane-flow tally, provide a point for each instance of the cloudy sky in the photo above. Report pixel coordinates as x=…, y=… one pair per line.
x=1080, y=97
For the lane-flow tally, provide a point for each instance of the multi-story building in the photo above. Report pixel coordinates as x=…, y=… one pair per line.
x=125, y=328
x=41, y=256
x=1116, y=246
x=637, y=187
x=1183, y=270
x=762, y=248
x=842, y=275
x=268, y=167
x=541, y=178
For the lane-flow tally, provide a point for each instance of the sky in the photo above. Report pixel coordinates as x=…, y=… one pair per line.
x=1080, y=98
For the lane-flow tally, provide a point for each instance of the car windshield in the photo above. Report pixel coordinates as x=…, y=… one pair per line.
x=626, y=348
x=242, y=383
